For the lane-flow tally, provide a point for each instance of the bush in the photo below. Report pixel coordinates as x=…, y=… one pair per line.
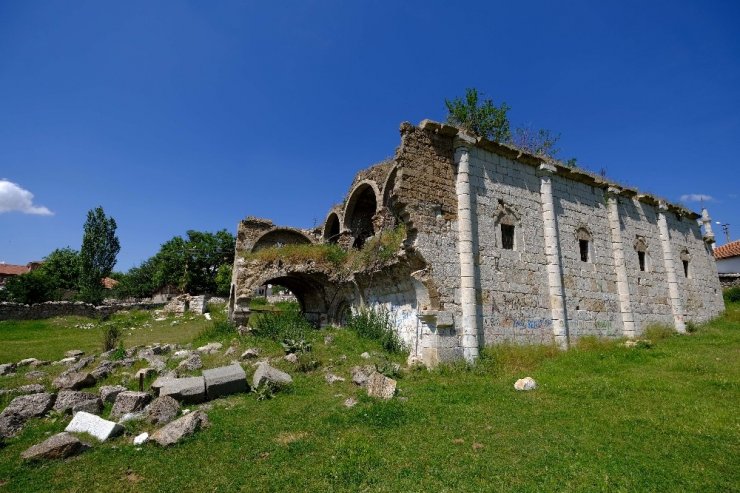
x=219, y=330
x=657, y=332
x=111, y=336
x=376, y=324
x=281, y=326
x=731, y=295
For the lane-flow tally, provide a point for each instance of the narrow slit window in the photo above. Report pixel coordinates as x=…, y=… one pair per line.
x=685, y=268
x=641, y=259
x=583, y=245
x=507, y=236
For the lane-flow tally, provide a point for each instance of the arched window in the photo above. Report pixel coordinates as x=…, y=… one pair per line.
x=685, y=261
x=507, y=234
x=642, y=256
x=331, y=228
x=585, y=244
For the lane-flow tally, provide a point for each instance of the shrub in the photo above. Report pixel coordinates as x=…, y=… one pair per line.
x=657, y=332
x=376, y=324
x=111, y=336
x=282, y=325
x=731, y=295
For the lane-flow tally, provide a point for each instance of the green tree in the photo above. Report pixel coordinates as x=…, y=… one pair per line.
x=484, y=119
x=62, y=270
x=223, y=279
x=100, y=246
x=31, y=287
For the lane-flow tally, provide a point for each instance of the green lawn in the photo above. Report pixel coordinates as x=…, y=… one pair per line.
x=604, y=418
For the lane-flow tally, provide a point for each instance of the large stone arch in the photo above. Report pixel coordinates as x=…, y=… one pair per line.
x=279, y=237
x=363, y=203
x=388, y=187
x=332, y=228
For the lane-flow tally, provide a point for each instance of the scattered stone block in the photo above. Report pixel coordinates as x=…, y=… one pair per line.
x=74, y=381
x=59, y=446
x=65, y=361
x=7, y=369
x=10, y=424
x=26, y=362
x=162, y=410
x=131, y=417
x=71, y=401
x=266, y=373
x=378, y=385
x=30, y=406
x=81, y=364
x=103, y=370
x=210, y=348
x=183, y=353
x=35, y=374
x=108, y=393
x=34, y=388
x=193, y=362
x=38, y=363
x=365, y=355
x=291, y=358
x=526, y=383
x=225, y=380
x=177, y=430
x=157, y=385
x=361, y=374
x=191, y=390
x=129, y=402
x=331, y=378
x=251, y=353
x=141, y=439
x=100, y=428
x=74, y=353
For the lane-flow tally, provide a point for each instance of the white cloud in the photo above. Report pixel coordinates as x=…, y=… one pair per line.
x=696, y=197
x=15, y=198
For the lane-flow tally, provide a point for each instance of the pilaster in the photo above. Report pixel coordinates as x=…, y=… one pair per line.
x=670, y=269
x=620, y=266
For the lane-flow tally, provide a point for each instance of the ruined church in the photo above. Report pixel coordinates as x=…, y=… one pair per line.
x=465, y=242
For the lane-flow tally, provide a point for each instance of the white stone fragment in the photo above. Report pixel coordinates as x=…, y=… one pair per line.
x=100, y=428
x=141, y=439
x=527, y=383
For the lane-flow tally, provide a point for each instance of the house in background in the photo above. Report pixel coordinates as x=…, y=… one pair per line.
x=9, y=270
x=727, y=258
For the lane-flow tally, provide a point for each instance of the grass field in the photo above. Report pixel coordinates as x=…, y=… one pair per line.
x=604, y=418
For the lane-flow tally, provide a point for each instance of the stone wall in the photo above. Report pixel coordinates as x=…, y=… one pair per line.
x=50, y=309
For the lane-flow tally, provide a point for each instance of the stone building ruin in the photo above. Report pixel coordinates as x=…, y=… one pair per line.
x=496, y=245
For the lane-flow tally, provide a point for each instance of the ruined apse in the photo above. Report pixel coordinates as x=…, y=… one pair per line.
x=495, y=245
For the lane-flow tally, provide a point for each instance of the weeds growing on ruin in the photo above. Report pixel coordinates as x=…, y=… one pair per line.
x=376, y=324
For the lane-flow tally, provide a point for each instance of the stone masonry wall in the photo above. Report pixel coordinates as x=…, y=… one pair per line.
x=50, y=309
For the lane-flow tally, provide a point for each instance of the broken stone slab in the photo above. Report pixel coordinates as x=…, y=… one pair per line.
x=35, y=374
x=210, y=348
x=141, y=439
x=381, y=386
x=83, y=363
x=100, y=428
x=74, y=381
x=7, y=369
x=193, y=362
x=526, y=383
x=157, y=385
x=225, y=380
x=361, y=374
x=59, y=446
x=108, y=393
x=74, y=353
x=38, y=363
x=129, y=402
x=10, y=424
x=291, y=358
x=182, y=353
x=177, y=430
x=103, y=370
x=71, y=401
x=65, y=361
x=32, y=405
x=162, y=410
x=33, y=388
x=251, y=353
x=26, y=362
x=191, y=390
x=266, y=373
x=331, y=378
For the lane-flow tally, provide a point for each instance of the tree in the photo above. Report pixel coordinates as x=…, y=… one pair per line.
x=540, y=143
x=62, y=270
x=485, y=119
x=100, y=246
x=31, y=287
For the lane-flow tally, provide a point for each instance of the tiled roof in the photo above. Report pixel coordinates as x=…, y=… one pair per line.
x=13, y=270
x=728, y=250
x=109, y=283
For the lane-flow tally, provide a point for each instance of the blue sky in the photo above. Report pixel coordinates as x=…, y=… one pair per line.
x=193, y=115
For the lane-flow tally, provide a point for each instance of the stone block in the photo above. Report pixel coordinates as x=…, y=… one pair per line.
x=381, y=386
x=59, y=446
x=191, y=390
x=266, y=373
x=129, y=402
x=100, y=428
x=225, y=380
